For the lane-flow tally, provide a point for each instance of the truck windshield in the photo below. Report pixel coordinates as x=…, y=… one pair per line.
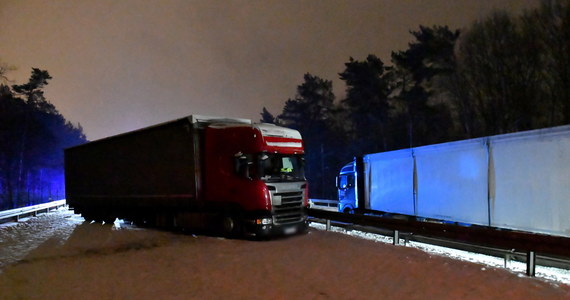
x=345, y=182
x=281, y=167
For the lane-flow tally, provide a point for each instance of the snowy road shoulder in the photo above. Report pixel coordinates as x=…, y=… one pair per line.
x=519, y=268
x=18, y=239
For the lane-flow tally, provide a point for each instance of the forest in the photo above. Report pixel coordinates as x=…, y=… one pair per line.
x=33, y=135
x=501, y=74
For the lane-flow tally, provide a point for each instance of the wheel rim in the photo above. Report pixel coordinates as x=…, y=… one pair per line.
x=228, y=224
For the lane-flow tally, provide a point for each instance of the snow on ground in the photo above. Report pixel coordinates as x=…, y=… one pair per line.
x=19, y=238
x=57, y=256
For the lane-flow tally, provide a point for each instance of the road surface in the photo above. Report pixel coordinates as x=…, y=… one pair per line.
x=58, y=256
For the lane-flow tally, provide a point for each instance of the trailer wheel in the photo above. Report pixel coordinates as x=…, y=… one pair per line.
x=88, y=217
x=97, y=215
x=109, y=219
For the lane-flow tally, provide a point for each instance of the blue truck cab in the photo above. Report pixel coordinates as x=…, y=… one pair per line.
x=346, y=185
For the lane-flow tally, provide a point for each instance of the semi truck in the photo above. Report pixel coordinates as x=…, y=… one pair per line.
x=518, y=181
x=196, y=172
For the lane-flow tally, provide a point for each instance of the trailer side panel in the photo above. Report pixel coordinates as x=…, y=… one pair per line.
x=153, y=167
x=531, y=186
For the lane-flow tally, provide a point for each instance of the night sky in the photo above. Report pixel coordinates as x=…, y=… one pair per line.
x=123, y=65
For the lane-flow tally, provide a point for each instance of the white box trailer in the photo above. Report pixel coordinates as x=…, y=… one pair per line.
x=517, y=181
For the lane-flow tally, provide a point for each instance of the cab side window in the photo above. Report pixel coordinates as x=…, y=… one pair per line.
x=350, y=181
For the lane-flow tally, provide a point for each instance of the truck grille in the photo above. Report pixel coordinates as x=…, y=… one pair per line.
x=291, y=208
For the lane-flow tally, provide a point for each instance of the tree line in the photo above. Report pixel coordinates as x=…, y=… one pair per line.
x=501, y=74
x=33, y=135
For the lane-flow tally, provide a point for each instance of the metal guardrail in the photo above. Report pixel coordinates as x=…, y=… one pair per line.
x=525, y=242
x=17, y=213
x=331, y=205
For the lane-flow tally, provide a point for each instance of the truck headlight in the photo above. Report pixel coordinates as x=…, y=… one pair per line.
x=264, y=221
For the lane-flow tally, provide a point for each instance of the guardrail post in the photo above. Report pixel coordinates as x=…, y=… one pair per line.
x=509, y=257
x=396, y=238
x=530, y=263
x=328, y=225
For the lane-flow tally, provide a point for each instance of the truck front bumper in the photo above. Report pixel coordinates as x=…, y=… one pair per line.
x=267, y=230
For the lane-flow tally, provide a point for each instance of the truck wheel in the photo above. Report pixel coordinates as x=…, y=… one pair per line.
x=231, y=226
x=348, y=210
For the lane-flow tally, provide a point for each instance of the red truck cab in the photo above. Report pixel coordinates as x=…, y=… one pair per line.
x=256, y=173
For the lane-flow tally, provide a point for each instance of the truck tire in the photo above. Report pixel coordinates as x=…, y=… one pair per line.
x=231, y=226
